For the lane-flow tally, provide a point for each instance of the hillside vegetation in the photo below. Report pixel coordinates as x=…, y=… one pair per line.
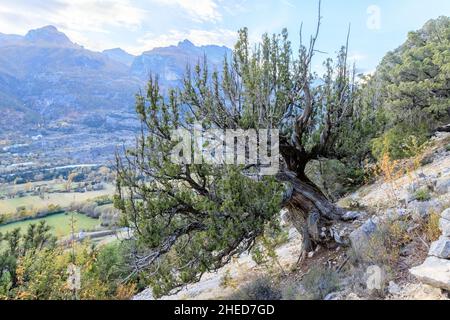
x=359, y=203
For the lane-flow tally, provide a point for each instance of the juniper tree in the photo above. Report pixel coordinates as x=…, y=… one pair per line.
x=192, y=218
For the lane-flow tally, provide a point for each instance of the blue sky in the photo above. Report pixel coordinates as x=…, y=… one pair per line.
x=377, y=26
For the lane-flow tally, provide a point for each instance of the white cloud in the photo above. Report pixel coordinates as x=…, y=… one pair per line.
x=91, y=23
x=197, y=36
x=199, y=10
x=81, y=19
x=76, y=16
x=89, y=15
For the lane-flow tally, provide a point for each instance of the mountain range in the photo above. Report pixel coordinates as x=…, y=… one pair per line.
x=45, y=77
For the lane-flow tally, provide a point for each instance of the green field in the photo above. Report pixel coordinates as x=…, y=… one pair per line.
x=60, y=199
x=60, y=224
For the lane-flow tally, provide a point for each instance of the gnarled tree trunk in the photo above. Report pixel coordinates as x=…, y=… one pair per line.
x=309, y=210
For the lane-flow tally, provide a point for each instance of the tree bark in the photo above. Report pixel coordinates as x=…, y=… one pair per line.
x=309, y=210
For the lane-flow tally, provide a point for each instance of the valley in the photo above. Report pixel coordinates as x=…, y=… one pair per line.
x=66, y=111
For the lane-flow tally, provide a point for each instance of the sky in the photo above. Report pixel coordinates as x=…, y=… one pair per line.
x=377, y=26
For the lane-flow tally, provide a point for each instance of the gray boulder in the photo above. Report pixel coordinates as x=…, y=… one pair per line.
x=446, y=214
x=360, y=238
x=394, y=288
x=147, y=294
x=397, y=214
x=422, y=182
x=332, y=296
x=443, y=186
x=434, y=272
x=440, y=248
x=352, y=215
x=423, y=209
x=444, y=225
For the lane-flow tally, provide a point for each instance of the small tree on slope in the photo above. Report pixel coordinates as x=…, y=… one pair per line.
x=190, y=219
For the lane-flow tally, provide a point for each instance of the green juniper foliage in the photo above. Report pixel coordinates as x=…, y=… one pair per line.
x=410, y=90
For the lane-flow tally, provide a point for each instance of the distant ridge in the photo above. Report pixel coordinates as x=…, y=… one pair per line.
x=120, y=55
x=48, y=35
x=45, y=73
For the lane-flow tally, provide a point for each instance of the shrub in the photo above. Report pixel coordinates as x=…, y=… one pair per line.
x=432, y=227
x=109, y=217
x=227, y=281
x=102, y=200
x=259, y=289
x=319, y=282
x=422, y=194
x=397, y=142
x=293, y=291
x=113, y=266
x=37, y=269
x=336, y=178
x=447, y=148
x=384, y=245
x=89, y=209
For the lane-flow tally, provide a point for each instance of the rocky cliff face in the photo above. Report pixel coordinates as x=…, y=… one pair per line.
x=170, y=62
x=45, y=73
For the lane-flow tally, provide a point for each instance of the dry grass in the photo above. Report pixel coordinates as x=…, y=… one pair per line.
x=432, y=230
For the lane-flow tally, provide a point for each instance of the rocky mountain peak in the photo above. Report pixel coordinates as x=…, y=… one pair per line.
x=119, y=55
x=186, y=44
x=48, y=35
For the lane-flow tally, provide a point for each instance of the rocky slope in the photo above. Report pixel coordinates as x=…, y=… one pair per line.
x=415, y=205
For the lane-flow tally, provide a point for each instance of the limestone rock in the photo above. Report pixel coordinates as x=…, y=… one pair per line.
x=434, y=272
x=443, y=186
x=284, y=217
x=446, y=214
x=352, y=215
x=353, y=297
x=423, y=209
x=440, y=248
x=375, y=278
x=147, y=294
x=293, y=234
x=419, y=291
x=444, y=225
x=360, y=238
x=332, y=296
x=340, y=234
x=393, y=288
x=397, y=213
